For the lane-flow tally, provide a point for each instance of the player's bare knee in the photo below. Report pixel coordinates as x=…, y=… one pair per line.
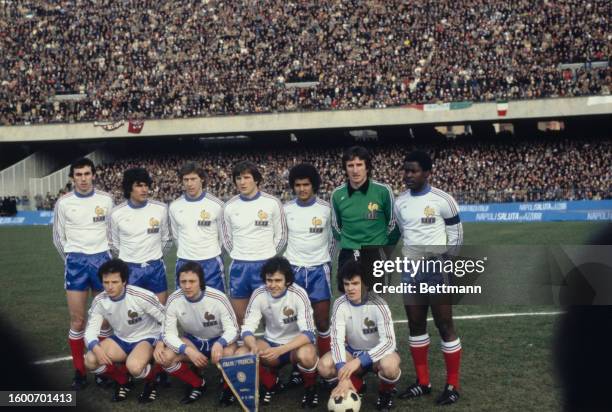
x=135, y=366
x=322, y=324
x=307, y=355
x=91, y=361
x=417, y=328
x=446, y=330
x=389, y=366
x=77, y=323
x=326, y=367
x=229, y=350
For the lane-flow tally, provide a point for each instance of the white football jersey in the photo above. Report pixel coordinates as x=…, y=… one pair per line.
x=310, y=241
x=140, y=233
x=134, y=316
x=209, y=317
x=196, y=226
x=429, y=218
x=366, y=327
x=80, y=223
x=285, y=317
x=254, y=229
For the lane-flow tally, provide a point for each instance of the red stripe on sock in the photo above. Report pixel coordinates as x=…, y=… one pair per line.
x=453, y=362
x=310, y=378
x=188, y=376
x=155, y=370
x=267, y=377
x=77, y=350
x=385, y=386
x=118, y=373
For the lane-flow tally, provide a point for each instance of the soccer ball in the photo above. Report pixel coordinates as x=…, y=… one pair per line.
x=352, y=403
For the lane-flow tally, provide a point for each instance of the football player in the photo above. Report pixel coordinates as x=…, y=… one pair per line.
x=209, y=326
x=80, y=234
x=429, y=221
x=289, y=330
x=362, y=339
x=136, y=315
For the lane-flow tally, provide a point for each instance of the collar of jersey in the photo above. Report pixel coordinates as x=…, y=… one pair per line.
x=195, y=300
x=90, y=194
x=363, y=301
x=363, y=188
x=425, y=190
x=306, y=204
x=120, y=297
x=195, y=199
x=248, y=199
x=133, y=206
x=281, y=295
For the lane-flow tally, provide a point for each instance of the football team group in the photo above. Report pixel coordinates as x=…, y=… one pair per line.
x=280, y=273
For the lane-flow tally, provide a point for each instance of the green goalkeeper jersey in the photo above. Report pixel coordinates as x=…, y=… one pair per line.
x=364, y=216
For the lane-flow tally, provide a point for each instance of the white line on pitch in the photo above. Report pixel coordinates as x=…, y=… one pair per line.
x=462, y=317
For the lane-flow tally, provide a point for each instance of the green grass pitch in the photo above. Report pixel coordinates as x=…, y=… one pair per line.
x=506, y=362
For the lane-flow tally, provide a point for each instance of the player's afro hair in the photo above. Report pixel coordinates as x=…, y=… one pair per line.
x=80, y=163
x=247, y=167
x=278, y=264
x=194, y=267
x=114, y=266
x=422, y=158
x=134, y=175
x=305, y=171
x=360, y=152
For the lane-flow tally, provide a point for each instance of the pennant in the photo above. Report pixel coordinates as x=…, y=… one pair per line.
x=440, y=107
x=135, y=126
x=502, y=107
x=242, y=376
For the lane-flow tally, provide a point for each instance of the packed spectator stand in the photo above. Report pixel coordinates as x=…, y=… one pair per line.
x=473, y=170
x=175, y=59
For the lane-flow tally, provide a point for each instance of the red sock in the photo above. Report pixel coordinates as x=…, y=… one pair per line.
x=357, y=382
x=384, y=386
x=452, y=359
x=77, y=350
x=309, y=376
x=419, y=346
x=117, y=373
x=267, y=377
x=323, y=343
x=155, y=370
x=225, y=385
x=184, y=373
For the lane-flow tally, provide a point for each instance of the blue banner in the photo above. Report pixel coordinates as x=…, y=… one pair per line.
x=28, y=218
x=578, y=210
x=242, y=375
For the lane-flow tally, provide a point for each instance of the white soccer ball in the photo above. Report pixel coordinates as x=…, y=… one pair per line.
x=351, y=403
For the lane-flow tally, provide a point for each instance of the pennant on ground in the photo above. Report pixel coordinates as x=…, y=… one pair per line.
x=109, y=126
x=135, y=126
x=242, y=376
x=502, y=107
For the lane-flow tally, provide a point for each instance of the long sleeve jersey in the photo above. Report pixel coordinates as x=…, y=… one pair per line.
x=209, y=317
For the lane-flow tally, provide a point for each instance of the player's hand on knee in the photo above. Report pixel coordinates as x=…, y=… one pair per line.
x=348, y=369
x=102, y=356
x=159, y=353
x=216, y=353
x=196, y=357
x=271, y=353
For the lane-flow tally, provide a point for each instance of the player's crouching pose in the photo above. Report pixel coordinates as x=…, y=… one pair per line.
x=362, y=339
x=210, y=326
x=289, y=330
x=135, y=315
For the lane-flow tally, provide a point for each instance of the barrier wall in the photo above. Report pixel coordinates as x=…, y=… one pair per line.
x=581, y=210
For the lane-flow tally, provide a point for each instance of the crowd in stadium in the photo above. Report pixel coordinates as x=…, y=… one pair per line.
x=473, y=171
x=195, y=58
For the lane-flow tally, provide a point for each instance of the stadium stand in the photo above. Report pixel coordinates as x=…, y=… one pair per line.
x=472, y=170
x=75, y=60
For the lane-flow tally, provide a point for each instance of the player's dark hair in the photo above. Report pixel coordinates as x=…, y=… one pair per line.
x=350, y=269
x=114, y=266
x=278, y=264
x=134, y=175
x=305, y=171
x=247, y=167
x=82, y=162
x=422, y=158
x=194, y=267
x=360, y=152
x=192, y=167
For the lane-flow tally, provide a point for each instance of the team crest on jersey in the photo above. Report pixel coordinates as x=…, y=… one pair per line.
x=316, y=225
x=369, y=326
x=100, y=214
x=262, y=218
x=290, y=315
x=430, y=214
x=372, y=211
x=133, y=317
x=204, y=218
x=153, y=226
x=210, y=320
